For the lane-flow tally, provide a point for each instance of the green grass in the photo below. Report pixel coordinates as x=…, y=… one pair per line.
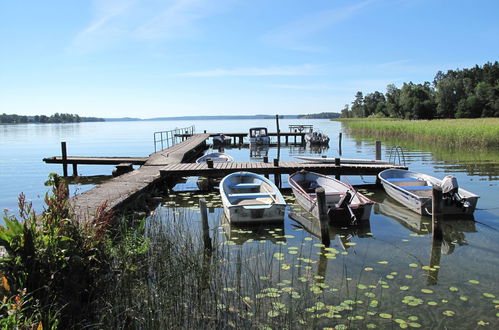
x=462, y=133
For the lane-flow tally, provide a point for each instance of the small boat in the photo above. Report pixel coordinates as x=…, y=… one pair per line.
x=251, y=198
x=324, y=159
x=414, y=190
x=217, y=157
x=258, y=135
x=344, y=203
x=221, y=140
x=317, y=138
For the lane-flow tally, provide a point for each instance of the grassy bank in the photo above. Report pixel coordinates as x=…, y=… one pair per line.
x=462, y=133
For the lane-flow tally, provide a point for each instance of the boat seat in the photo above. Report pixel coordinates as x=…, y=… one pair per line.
x=418, y=187
x=248, y=185
x=249, y=195
x=402, y=179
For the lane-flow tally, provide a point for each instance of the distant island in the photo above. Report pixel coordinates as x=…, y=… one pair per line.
x=42, y=119
x=73, y=118
x=322, y=115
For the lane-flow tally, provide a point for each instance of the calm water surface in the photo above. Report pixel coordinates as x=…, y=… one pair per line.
x=390, y=268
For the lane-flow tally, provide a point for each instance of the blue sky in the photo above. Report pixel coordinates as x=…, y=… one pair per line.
x=153, y=58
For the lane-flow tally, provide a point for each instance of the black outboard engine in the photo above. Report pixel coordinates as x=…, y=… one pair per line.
x=450, y=192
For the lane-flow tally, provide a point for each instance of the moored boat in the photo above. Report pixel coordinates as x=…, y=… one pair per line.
x=344, y=203
x=414, y=190
x=221, y=140
x=259, y=135
x=216, y=157
x=317, y=138
x=251, y=198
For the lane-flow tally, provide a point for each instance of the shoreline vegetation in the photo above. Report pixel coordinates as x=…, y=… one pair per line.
x=466, y=93
x=462, y=133
x=57, y=118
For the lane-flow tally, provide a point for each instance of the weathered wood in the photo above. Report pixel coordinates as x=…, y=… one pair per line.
x=204, y=221
x=436, y=212
x=64, y=154
x=323, y=216
x=378, y=150
x=339, y=143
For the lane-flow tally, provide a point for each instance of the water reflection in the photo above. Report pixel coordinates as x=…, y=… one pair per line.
x=344, y=233
x=242, y=233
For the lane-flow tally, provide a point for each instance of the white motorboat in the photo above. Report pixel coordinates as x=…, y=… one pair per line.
x=414, y=190
x=258, y=135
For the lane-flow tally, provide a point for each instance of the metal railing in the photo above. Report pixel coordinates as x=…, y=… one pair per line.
x=166, y=139
x=397, y=153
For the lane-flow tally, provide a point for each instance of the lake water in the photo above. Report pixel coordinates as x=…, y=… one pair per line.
x=392, y=267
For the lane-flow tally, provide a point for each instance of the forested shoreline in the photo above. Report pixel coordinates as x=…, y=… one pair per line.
x=466, y=93
x=42, y=119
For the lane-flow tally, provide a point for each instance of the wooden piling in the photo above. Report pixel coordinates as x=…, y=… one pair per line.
x=339, y=142
x=75, y=169
x=323, y=216
x=204, y=221
x=209, y=162
x=337, y=162
x=436, y=212
x=265, y=159
x=276, y=162
x=378, y=150
x=64, y=154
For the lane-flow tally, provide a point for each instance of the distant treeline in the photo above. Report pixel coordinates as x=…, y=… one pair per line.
x=322, y=115
x=467, y=93
x=42, y=119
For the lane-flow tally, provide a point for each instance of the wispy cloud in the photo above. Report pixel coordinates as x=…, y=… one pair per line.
x=295, y=35
x=299, y=70
x=117, y=20
x=309, y=87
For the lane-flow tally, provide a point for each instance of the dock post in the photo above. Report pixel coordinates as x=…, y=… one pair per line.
x=265, y=159
x=277, y=177
x=75, y=169
x=209, y=162
x=337, y=162
x=378, y=150
x=436, y=210
x=64, y=159
x=339, y=143
x=323, y=216
x=206, y=228
x=278, y=131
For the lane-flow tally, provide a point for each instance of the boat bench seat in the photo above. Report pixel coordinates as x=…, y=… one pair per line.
x=404, y=182
x=418, y=187
x=249, y=195
x=248, y=185
x=402, y=179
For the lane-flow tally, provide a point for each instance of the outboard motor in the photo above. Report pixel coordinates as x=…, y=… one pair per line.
x=450, y=193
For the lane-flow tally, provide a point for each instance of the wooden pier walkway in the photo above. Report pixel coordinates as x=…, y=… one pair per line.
x=120, y=191
x=283, y=167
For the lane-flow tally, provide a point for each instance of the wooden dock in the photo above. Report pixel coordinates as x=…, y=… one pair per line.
x=168, y=166
x=276, y=167
x=132, y=188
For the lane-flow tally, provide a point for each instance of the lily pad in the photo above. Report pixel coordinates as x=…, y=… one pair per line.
x=385, y=315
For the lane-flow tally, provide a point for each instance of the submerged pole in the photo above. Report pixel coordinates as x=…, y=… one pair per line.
x=323, y=216
x=339, y=143
x=204, y=221
x=278, y=136
x=378, y=150
x=436, y=212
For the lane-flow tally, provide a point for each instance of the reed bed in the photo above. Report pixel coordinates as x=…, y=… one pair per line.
x=462, y=133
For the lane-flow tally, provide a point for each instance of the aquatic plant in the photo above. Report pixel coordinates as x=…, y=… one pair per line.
x=465, y=133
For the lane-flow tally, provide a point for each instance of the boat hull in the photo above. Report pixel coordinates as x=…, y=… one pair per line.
x=334, y=190
x=399, y=185
x=251, y=198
